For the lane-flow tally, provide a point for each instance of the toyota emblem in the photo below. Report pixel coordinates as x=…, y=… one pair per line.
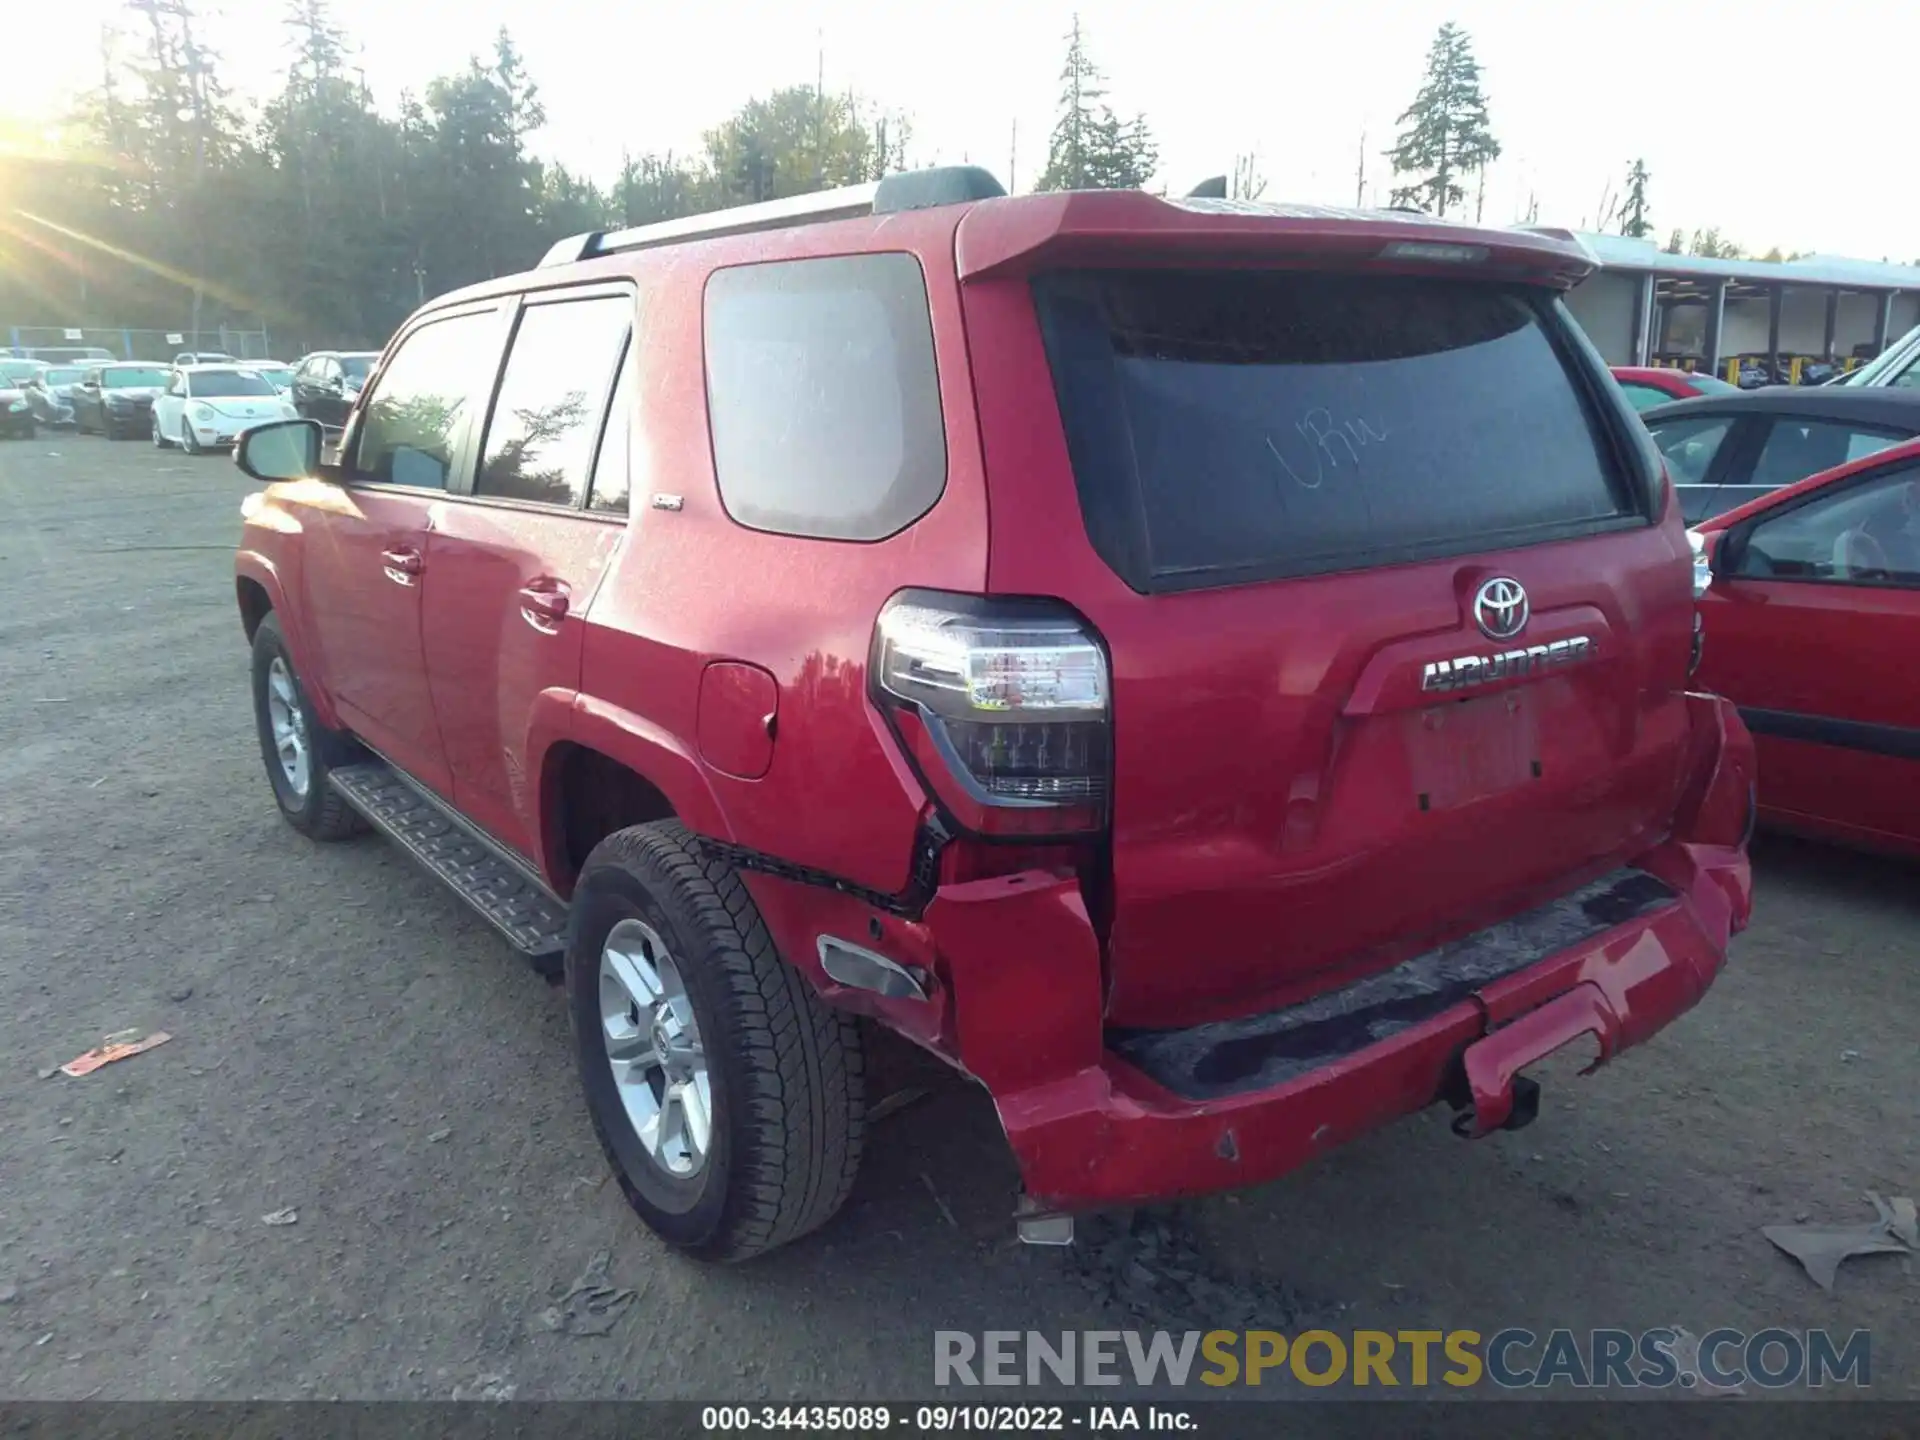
x=1500, y=608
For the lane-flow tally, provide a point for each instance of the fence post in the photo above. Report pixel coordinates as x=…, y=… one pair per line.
x=126, y=345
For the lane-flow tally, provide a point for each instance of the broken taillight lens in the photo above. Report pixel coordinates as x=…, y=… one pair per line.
x=1013, y=699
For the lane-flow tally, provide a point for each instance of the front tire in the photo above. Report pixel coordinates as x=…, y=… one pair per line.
x=187, y=443
x=728, y=1097
x=299, y=751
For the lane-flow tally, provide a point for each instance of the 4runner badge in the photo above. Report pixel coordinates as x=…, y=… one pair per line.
x=1465, y=670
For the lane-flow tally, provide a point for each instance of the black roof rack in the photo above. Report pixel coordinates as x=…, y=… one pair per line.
x=908, y=190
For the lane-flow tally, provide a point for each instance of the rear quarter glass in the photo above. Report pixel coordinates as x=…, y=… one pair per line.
x=823, y=396
x=1229, y=426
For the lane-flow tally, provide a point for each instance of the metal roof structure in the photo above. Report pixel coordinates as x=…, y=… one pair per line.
x=1620, y=252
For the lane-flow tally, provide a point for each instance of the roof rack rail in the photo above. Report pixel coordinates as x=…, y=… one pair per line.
x=908, y=190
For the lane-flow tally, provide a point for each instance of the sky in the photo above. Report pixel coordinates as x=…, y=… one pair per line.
x=1763, y=118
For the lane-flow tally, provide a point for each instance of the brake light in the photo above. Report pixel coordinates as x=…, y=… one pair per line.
x=1012, y=698
x=1426, y=250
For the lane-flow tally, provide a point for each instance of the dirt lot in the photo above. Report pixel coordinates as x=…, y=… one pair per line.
x=351, y=1045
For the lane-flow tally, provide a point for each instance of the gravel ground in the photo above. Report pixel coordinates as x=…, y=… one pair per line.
x=350, y=1045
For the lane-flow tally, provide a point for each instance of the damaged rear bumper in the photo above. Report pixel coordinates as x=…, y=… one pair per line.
x=1101, y=1118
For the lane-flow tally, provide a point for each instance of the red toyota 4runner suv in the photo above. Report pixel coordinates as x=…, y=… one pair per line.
x=1216, y=674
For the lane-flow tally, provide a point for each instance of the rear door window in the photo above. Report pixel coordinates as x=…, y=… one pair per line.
x=1231, y=425
x=1796, y=449
x=823, y=396
x=612, y=466
x=553, y=395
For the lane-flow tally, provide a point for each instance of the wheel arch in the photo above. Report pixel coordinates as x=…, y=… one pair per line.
x=608, y=769
x=259, y=592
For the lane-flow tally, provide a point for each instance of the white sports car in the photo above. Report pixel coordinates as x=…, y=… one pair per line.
x=206, y=406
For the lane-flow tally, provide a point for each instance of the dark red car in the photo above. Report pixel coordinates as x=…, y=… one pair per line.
x=1648, y=385
x=1811, y=614
x=1216, y=674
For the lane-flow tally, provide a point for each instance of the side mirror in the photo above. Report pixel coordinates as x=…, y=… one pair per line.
x=280, y=450
x=1716, y=554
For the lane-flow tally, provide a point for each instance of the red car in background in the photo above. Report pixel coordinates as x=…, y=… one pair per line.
x=1810, y=607
x=1648, y=385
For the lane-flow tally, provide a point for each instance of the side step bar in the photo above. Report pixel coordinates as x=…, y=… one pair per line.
x=508, y=895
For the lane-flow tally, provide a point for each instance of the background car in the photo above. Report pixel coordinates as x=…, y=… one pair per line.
x=1810, y=616
x=327, y=383
x=16, y=413
x=278, y=372
x=50, y=393
x=116, y=399
x=204, y=357
x=1897, y=367
x=204, y=406
x=72, y=354
x=1650, y=385
x=1724, y=450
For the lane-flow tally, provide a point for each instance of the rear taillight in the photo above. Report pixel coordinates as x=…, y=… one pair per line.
x=1010, y=698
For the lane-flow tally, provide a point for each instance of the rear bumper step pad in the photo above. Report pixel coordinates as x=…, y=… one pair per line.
x=506, y=896
x=1257, y=1052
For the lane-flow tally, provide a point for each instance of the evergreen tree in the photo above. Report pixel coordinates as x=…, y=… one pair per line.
x=1091, y=147
x=1444, y=134
x=1633, y=210
x=1708, y=243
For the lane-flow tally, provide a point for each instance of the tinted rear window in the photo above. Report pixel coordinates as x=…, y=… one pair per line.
x=1237, y=425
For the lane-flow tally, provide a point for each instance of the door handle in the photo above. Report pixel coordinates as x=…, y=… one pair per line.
x=543, y=604
x=402, y=565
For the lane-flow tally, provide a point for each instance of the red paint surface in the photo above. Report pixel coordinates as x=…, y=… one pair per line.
x=1837, y=651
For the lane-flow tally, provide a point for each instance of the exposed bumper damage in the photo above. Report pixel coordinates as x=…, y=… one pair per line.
x=1099, y=1118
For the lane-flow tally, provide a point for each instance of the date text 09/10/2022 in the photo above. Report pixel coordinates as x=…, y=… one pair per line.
x=944, y=1419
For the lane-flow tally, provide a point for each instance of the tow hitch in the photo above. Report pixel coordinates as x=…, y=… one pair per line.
x=1526, y=1109
x=1485, y=1085
x=1041, y=1227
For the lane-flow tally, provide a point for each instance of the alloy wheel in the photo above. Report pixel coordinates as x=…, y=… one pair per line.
x=654, y=1048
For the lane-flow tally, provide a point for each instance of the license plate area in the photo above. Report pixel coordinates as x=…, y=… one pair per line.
x=1467, y=750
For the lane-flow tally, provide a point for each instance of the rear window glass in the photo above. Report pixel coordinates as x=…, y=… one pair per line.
x=824, y=400
x=1236, y=426
x=223, y=384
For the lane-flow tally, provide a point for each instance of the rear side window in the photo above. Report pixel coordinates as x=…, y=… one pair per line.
x=552, y=398
x=1796, y=449
x=823, y=396
x=1233, y=425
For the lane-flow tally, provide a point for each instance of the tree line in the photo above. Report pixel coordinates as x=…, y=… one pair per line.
x=171, y=205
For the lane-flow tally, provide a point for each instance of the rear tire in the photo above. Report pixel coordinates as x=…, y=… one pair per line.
x=160, y=442
x=785, y=1096
x=287, y=729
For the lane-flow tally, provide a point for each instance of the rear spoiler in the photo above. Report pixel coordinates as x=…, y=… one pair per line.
x=1003, y=238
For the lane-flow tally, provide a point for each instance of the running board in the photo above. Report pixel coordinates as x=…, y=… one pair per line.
x=506, y=894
